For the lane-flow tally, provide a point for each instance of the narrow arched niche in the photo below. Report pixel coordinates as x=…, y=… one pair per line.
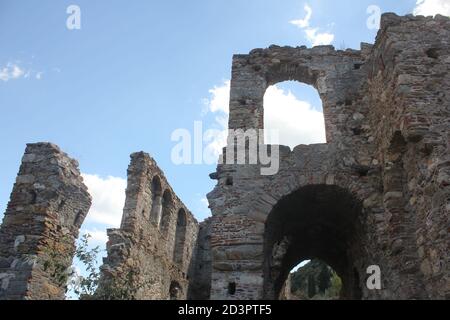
x=167, y=204
x=156, y=192
x=180, y=237
x=294, y=110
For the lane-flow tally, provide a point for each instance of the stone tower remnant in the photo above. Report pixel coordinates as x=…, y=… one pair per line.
x=37, y=238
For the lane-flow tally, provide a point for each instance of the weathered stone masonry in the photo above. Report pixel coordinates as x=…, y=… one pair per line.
x=48, y=205
x=151, y=256
x=156, y=241
x=377, y=193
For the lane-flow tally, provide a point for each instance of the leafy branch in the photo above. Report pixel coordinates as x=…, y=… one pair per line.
x=86, y=285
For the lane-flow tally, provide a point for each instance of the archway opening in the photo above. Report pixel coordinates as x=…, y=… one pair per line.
x=155, y=213
x=316, y=222
x=167, y=204
x=180, y=237
x=294, y=110
x=313, y=280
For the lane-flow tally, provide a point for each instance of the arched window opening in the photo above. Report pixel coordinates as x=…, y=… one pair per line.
x=155, y=213
x=313, y=280
x=180, y=237
x=167, y=204
x=294, y=111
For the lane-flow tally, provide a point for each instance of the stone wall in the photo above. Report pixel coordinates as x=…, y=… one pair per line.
x=410, y=99
x=150, y=256
x=37, y=238
x=200, y=286
x=376, y=193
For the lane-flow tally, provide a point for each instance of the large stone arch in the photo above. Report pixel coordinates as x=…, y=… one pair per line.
x=319, y=221
x=243, y=199
x=275, y=191
x=285, y=183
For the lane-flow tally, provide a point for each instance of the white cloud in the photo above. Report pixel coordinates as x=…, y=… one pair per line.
x=313, y=35
x=14, y=71
x=216, y=141
x=220, y=98
x=97, y=237
x=318, y=38
x=11, y=72
x=296, y=120
x=204, y=202
x=304, y=23
x=108, y=199
x=218, y=104
x=432, y=7
x=203, y=211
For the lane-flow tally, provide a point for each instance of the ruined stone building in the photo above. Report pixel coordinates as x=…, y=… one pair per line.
x=155, y=244
x=377, y=193
x=47, y=207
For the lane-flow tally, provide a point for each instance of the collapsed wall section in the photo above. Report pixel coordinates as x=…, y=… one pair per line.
x=48, y=204
x=150, y=255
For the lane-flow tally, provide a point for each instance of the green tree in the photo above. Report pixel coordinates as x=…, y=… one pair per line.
x=324, y=279
x=336, y=285
x=84, y=286
x=311, y=286
x=315, y=280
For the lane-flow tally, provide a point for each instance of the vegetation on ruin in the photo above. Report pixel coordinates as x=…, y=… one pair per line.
x=315, y=281
x=86, y=285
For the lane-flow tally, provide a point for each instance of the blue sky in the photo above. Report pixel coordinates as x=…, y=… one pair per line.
x=138, y=70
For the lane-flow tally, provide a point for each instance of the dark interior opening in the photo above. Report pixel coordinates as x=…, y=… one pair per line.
x=314, y=222
x=432, y=53
x=232, y=288
x=175, y=290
